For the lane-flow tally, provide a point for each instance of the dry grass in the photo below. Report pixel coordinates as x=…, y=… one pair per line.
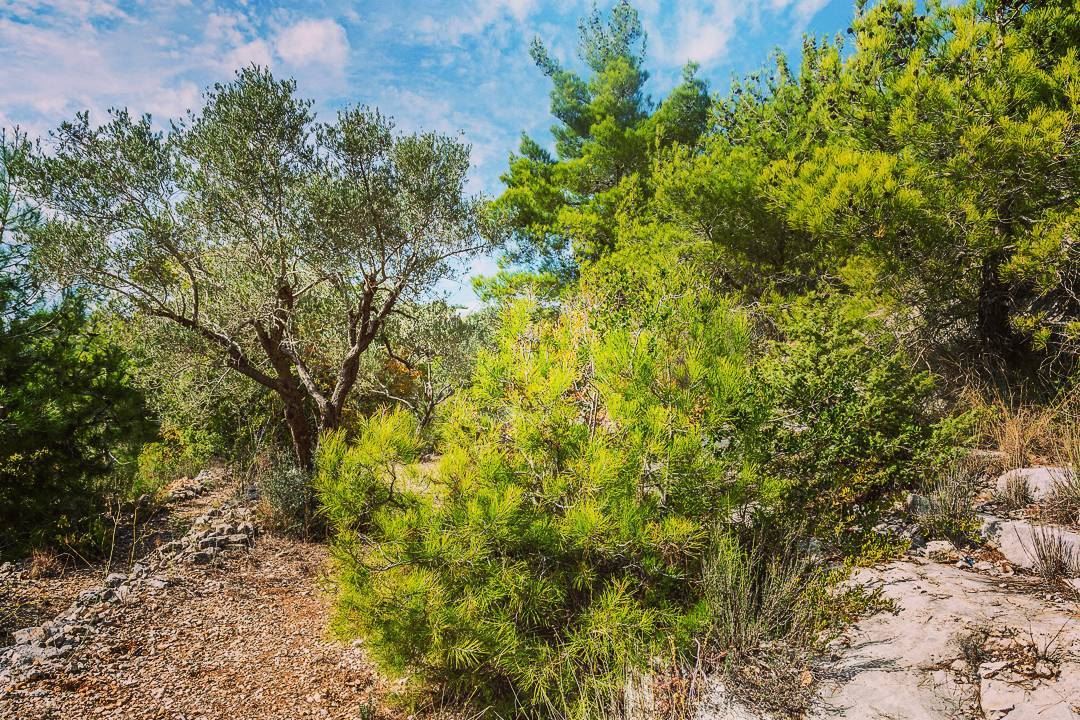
x=1025, y=434
x=1016, y=495
x=1063, y=505
x=950, y=506
x=45, y=563
x=1055, y=559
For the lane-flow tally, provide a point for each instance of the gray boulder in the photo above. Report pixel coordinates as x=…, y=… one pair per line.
x=1040, y=481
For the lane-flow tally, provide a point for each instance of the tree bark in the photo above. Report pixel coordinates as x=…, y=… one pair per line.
x=300, y=427
x=996, y=304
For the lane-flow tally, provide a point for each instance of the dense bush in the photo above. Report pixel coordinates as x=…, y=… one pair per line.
x=561, y=534
x=852, y=420
x=565, y=530
x=71, y=425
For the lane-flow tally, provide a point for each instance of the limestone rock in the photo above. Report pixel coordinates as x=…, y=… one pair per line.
x=940, y=551
x=1015, y=539
x=1040, y=480
x=910, y=664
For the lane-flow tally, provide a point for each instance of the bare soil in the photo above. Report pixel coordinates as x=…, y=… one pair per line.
x=245, y=638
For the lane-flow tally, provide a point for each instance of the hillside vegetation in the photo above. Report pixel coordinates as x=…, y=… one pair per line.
x=733, y=331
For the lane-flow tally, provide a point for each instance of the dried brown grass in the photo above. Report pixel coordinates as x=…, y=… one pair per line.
x=1025, y=434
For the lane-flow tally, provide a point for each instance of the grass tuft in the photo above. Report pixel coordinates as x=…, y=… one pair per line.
x=1055, y=558
x=950, y=507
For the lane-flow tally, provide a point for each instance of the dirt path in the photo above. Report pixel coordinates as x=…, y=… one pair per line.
x=243, y=637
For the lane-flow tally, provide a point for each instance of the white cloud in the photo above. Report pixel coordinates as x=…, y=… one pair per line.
x=256, y=52
x=314, y=42
x=476, y=17
x=702, y=30
x=704, y=33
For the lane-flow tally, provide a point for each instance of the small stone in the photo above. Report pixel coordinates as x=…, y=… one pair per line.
x=990, y=669
x=1044, y=669
x=940, y=550
x=29, y=635
x=115, y=580
x=998, y=698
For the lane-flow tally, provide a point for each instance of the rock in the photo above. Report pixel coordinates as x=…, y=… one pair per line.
x=998, y=698
x=30, y=635
x=1040, y=481
x=1044, y=669
x=1015, y=539
x=940, y=550
x=917, y=504
x=990, y=669
x=890, y=664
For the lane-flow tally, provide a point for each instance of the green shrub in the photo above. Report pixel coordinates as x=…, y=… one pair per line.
x=563, y=536
x=756, y=597
x=175, y=455
x=560, y=538
x=288, y=498
x=852, y=421
x=950, y=505
x=70, y=425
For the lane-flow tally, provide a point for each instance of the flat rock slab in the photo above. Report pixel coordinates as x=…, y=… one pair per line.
x=911, y=665
x=1017, y=539
x=1040, y=481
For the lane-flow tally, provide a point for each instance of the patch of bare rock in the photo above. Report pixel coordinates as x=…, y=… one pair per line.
x=977, y=634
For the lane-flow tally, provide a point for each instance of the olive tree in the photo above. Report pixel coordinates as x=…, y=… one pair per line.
x=254, y=235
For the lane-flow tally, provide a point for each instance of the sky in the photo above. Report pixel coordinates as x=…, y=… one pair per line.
x=454, y=66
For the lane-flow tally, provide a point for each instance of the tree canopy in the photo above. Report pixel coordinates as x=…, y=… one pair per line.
x=562, y=208
x=256, y=236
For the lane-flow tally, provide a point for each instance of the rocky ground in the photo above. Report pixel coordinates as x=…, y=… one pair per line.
x=221, y=622
x=977, y=633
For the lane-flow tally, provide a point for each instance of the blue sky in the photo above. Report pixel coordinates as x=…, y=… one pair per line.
x=448, y=65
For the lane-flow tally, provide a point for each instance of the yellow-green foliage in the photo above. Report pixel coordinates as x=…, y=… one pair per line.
x=561, y=536
x=564, y=531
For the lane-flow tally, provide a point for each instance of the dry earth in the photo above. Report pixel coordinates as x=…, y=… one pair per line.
x=241, y=637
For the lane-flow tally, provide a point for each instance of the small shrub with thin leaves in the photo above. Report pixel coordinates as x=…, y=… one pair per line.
x=950, y=504
x=286, y=493
x=1017, y=493
x=755, y=597
x=559, y=542
x=772, y=606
